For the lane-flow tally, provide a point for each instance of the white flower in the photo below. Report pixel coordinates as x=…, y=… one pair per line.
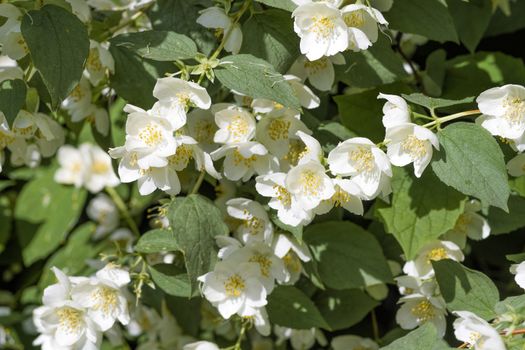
x=175, y=97
x=201, y=345
x=11, y=39
x=469, y=224
x=362, y=24
x=255, y=225
x=150, y=139
x=271, y=267
x=519, y=271
x=476, y=332
x=79, y=101
x=306, y=97
x=201, y=126
x=99, y=117
x=411, y=143
x=320, y=73
x=98, y=62
x=98, y=170
x=300, y=339
x=353, y=342
x=347, y=195
x=334, y=3
x=365, y=162
x=417, y=310
x=104, y=212
x=243, y=160
x=309, y=183
x=275, y=130
x=236, y=125
x=302, y=149
x=234, y=288
x=516, y=166
x=119, y=5
x=261, y=322
x=292, y=254
x=6, y=136
x=503, y=111
x=71, y=171
x=289, y=210
x=103, y=296
x=421, y=266
x=216, y=18
x=409, y=285
x=321, y=28
x=395, y=110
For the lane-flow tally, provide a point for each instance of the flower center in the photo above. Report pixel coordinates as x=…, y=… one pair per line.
x=323, y=26
x=355, y=18
x=204, y=132
x=77, y=94
x=93, y=61
x=278, y=129
x=424, y=311
x=437, y=254
x=463, y=223
x=234, y=286
x=151, y=134
x=283, y=195
x=239, y=127
x=363, y=159
x=415, y=147
x=239, y=159
x=253, y=223
x=311, y=183
x=183, y=98
x=474, y=338
x=71, y=320
x=296, y=151
x=340, y=197
x=182, y=157
x=106, y=299
x=314, y=67
x=292, y=262
x=264, y=263
x=99, y=167
x=5, y=140
x=515, y=109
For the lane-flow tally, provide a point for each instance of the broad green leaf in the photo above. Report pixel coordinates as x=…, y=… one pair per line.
x=517, y=258
x=135, y=77
x=171, y=280
x=434, y=74
x=511, y=304
x=181, y=16
x=375, y=66
x=502, y=222
x=296, y=231
x=502, y=23
x=421, y=210
x=423, y=338
x=71, y=258
x=156, y=241
x=187, y=317
x=6, y=214
x=471, y=19
x=433, y=103
x=269, y=35
x=471, y=161
x=422, y=17
x=347, y=256
x=12, y=98
x=256, y=78
x=40, y=229
x=287, y=5
x=362, y=112
x=157, y=45
x=466, y=290
x=290, y=307
x=195, y=222
x=344, y=308
x=470, y=75
x=59, y=46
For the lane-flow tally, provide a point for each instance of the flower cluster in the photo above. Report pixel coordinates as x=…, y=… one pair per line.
x=77, y=310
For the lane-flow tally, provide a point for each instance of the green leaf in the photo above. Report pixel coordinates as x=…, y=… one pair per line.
x=434, y=74
x=290, y=307
x=362, y=112
x=421, y=210
x=135, y=77
x=422, y=17
x=6, y=214
x=502, y=23
x=471, y=19
x=433, y=103
x=511, y=304
x=344, y=308
x=59, y=46
x=40, y=229
x=502, y=222
x=156, y=241
x=12, y=98
x=71, y=258
x=375, y=66
x=171, y=279
x=181, y=16
x=269, y=35
x=256, y=78
x=470, y=75
x=287, y=5
x=296, y=231
x=347, y=256
x=157, y=45
x=471, y=161
x=423, y=338
x=195, y=222
x=466, y=289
